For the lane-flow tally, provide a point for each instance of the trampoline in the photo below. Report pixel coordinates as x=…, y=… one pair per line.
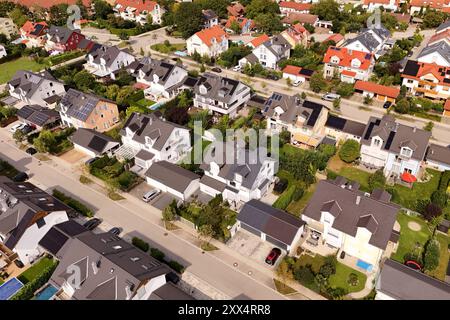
x=10, y=288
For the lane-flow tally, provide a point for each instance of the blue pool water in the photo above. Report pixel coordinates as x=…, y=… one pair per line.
x=46, y=294
x=10, y=288
x=364, y=265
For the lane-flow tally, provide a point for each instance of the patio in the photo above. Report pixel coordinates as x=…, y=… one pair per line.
x=316, y=246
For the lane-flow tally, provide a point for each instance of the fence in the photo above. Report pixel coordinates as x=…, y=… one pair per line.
x=186, y=222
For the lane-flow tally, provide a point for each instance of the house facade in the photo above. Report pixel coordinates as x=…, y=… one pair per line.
x=438, y=157
x=388, y=5
x=436, y=53
x=210, y=18
x=372, y=40
x=33, y=34
x=377, y=91
x=3, y=52
x=61, y=39
x=269, y=53
x=287, y=7
x=296, y=35
x=209, y=42
x=8, y=28
x=245, y=25
x=295, y=73
x=139, y=11
x=107, y=61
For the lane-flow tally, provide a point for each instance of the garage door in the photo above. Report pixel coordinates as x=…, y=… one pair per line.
x=250, y=229
x=274, y=241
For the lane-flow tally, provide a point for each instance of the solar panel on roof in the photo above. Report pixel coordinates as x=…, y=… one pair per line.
x=389, y=140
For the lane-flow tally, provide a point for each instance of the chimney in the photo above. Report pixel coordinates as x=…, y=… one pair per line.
x=414, y=129
x=358, y=200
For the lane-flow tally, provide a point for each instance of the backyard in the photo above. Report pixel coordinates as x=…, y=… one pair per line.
x=35, y=270
x=167, y=47
x=23, y=63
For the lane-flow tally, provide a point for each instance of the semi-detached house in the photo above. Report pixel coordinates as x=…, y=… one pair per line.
x=210, y=42
x=103, y=61
x=139, y=11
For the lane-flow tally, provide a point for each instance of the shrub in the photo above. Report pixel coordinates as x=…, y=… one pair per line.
x=331, y=175
x=157, y=254
x=377, y=180
x=298, y=193
x=140, y=244
x=304, y=275
x=349, y=151
x=443, y=182
x=431, y=211
x=73, y=203
x=353, y=279
x=336, y=293
x=176, y=266
x=285, y=199
x=439, y=198
x=431, y=255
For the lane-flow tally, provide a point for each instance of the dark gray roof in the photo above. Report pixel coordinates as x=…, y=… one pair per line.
x=348, y=126
x=366, y=39
x=440, y=47
x=109, y=54
x=59, y=234
x=278, y=45
x=443, y=26
x=80, y=105
x=213, y=183
x=273, y=222
x=144, y=155
x=37, y=115
x=157, y=69
x=93, y=141
x=59, y=34
x=438, y=153
x=170, y=292
x=396, y=135
x=171, y=175
x=374, y=213
x=30, y=82
x=209, y=14
x=403, y=283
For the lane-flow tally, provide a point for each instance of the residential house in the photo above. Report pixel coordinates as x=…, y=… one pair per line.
x=7, y=27
x=148, y=139
x=377, y=91
x=443, y=27
x=105, y=61
x=60, y=234
x=438, y=157
x=269, y=53
x=3, y=52
x=237, y=173
x=399, y=282
x=350, y=65
x=295, y=73
x=272, y=225
x=446, y=111
x=296, y=35
x=388, y=5
x=47, y=4
x=436, y=53
x=26, y=215
x=171, y=178
x=245, y=25
x=220, y=94
x=93, y=143
x=304, y=119
x=256, y=42
x=32, y=34
x=418, y=6
x=427, y=80
x=440, y=37
x=342, y=129
x=37, y=116
x=160, y=80
x=62, y=39
x=395, y=147
x=372, y=40
x=109, y=268
x=337, y=38
x=287, y=7
x=236, y=9
x=209, y=42
x=210, y=18
x=36, y=88
x=358, y=223
x=82, y=110
x=139, y=11
x=303, y=18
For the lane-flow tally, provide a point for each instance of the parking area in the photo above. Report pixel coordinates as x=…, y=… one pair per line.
x=74, y=156
x=162, y=201
x=253, y=247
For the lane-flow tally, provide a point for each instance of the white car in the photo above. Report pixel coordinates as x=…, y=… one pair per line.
x=330, y=96
x=150, y=195
x=297, y=83
x=237, y=68
x=16, y=127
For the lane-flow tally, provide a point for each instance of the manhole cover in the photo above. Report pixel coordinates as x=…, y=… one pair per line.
x=235, y=264
x=250, y=273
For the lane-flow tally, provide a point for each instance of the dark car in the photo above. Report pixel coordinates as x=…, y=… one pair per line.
x=90, y=161
x=387, y=105
x=273, y=77
x=92, y=224
x=280, y=186
x=218, y=70
x=115, y=231
x=172, y=277
x=27, y=129
x=31, y=151
x=20, y=177
x=18, y=263
x=273, y=256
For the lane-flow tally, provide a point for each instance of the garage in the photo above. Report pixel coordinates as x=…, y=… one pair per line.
x=377, y=91
x=250, y=229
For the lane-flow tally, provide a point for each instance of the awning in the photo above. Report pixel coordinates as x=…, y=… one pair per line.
x=408, y=177
x=305, y=139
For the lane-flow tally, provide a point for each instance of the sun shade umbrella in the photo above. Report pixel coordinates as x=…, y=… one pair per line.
x=408, y=177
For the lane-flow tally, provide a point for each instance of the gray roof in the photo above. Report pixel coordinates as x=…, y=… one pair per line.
x=37, y=115
x=109, y=54
x=171, y=175
x=293, y=107
x=59, y=234
x=30, y=82
x=213, y=183
x=366, y=39
x=59, y=34
x=149, y=125
x=403, y=283
x=278, y=45
x=438, y=153
x=218, y=88
x=94, y=141
x=162, y=71
x=273, y=222
x=443, y=26
x=395, y=136
x=144, y=155
x=109, y=266
x=209, y=14
x=170, y=292
x=374, y=212
x=440, y=47
x=345, y=125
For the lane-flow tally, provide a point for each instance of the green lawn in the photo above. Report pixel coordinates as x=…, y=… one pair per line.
x=10, y=68
x=296, y=207
x=143, y=103
x=290, y=150
x=35, y=270
x=341, y=277
x=163, y=48
x=354, y=174
x=315, y=262
x=441, y=270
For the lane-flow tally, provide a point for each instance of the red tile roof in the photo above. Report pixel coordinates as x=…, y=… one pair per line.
x=30, y=26
x=435, y=4
x=440, y=36
x=293, y=17
x=346, y=57
x=206, y=35
x=242, y=21
x=236, y=9
x=337, y=37
x=377, y=88
x=140, y=5
x=259, y=40
x=294, y=5
x=366, y=2
x=294, y=70
x=49, y=3
x=447, y=105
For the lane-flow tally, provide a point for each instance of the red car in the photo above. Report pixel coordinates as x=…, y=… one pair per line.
x=273, y=256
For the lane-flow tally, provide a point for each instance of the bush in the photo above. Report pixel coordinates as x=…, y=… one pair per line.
x=157, y=254
x=140, y=244
x=443, y=182
x=298, y=193
x=439, y=198
x=377, y=180
x=304, y=275
x=432, y=211
x=336, y=293
x=349, y=151
x=331, y=175
x=176, y=266
x=353, y=279
x=73, y=203
x=285, y=199
x=431, y=256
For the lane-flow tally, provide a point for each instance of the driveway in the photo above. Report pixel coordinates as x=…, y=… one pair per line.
x=162, y=201
x=74, y=156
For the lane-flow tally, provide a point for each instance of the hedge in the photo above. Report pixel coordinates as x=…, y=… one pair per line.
x=285, y=198
x=176, y=266
x=140, y=244
x=443, y=182
x=331, y=175
x=74, y=204
x=157, y=254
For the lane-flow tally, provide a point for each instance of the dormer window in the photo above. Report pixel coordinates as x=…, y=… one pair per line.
x=406, y=152
x=377, y=142
x=356, y=63
x=238, y=177
x=334, y=59
x=148, y=141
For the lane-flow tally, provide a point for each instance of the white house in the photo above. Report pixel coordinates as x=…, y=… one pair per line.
x=438, y=157
x=388, y=5
x=107, y=61
x=397, y=148
x=437, y=53
x=417, y=6
x=3, y=52
x=210, y=18
x=148, y=139
x=220, y=95
x=139, y=11
x=287, y=7
x=295, y=73
x=359, y=224
x=238, y=174
x=209, y=42
x=372, y=40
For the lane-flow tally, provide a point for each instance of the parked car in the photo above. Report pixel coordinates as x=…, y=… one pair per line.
x=272, y=257
x=218, y=70
x=31, y=150
x=237, y=68
x=16, y=127
x=90, y=161
x=330, y=96
x=413, y=265
x=172, y=277
x=271, y=76
x=19, y=263
x=150, y=195
x=387, y=105
x=20, y=177
x=342, y=255
x=115, y=231
x=297, y=83
x=27, y=129
x=92, y=224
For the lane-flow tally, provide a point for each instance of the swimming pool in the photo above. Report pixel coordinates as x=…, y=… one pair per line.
x=364, y=265
x=10, y=288
x=47, y=293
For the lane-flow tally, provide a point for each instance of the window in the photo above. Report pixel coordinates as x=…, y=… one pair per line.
x=377, y=142
x=406, y=152
x=40, y=223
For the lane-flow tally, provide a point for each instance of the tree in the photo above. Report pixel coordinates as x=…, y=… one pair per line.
x=368, y=99
x=170, y=212
x=258, y=7
x=429, y=126
x=19, y=136
x=218, y=6
x=377, y=180
x=205, y=233
x=45, y=142
x=317, y=83
x=84, y=81
x=431, y=211
x=345, y=89
x=439, y=198
x=403, y=106
x=102, y=9
x=235, y=27
x=304, y=275
x=337, y=103
x=111, y=91
x=326, y=9
x=58, y=14
x=178, y=115
x=268, y=22
x=188, y=18
x=285, y=137
x=431, y=255
x=123, y=95
x=433, y=18
x=349, y=151
x=18, y=17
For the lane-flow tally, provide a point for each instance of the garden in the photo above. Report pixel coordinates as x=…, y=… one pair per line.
x=55, y=142
x=167, y=47
x=73, y=203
